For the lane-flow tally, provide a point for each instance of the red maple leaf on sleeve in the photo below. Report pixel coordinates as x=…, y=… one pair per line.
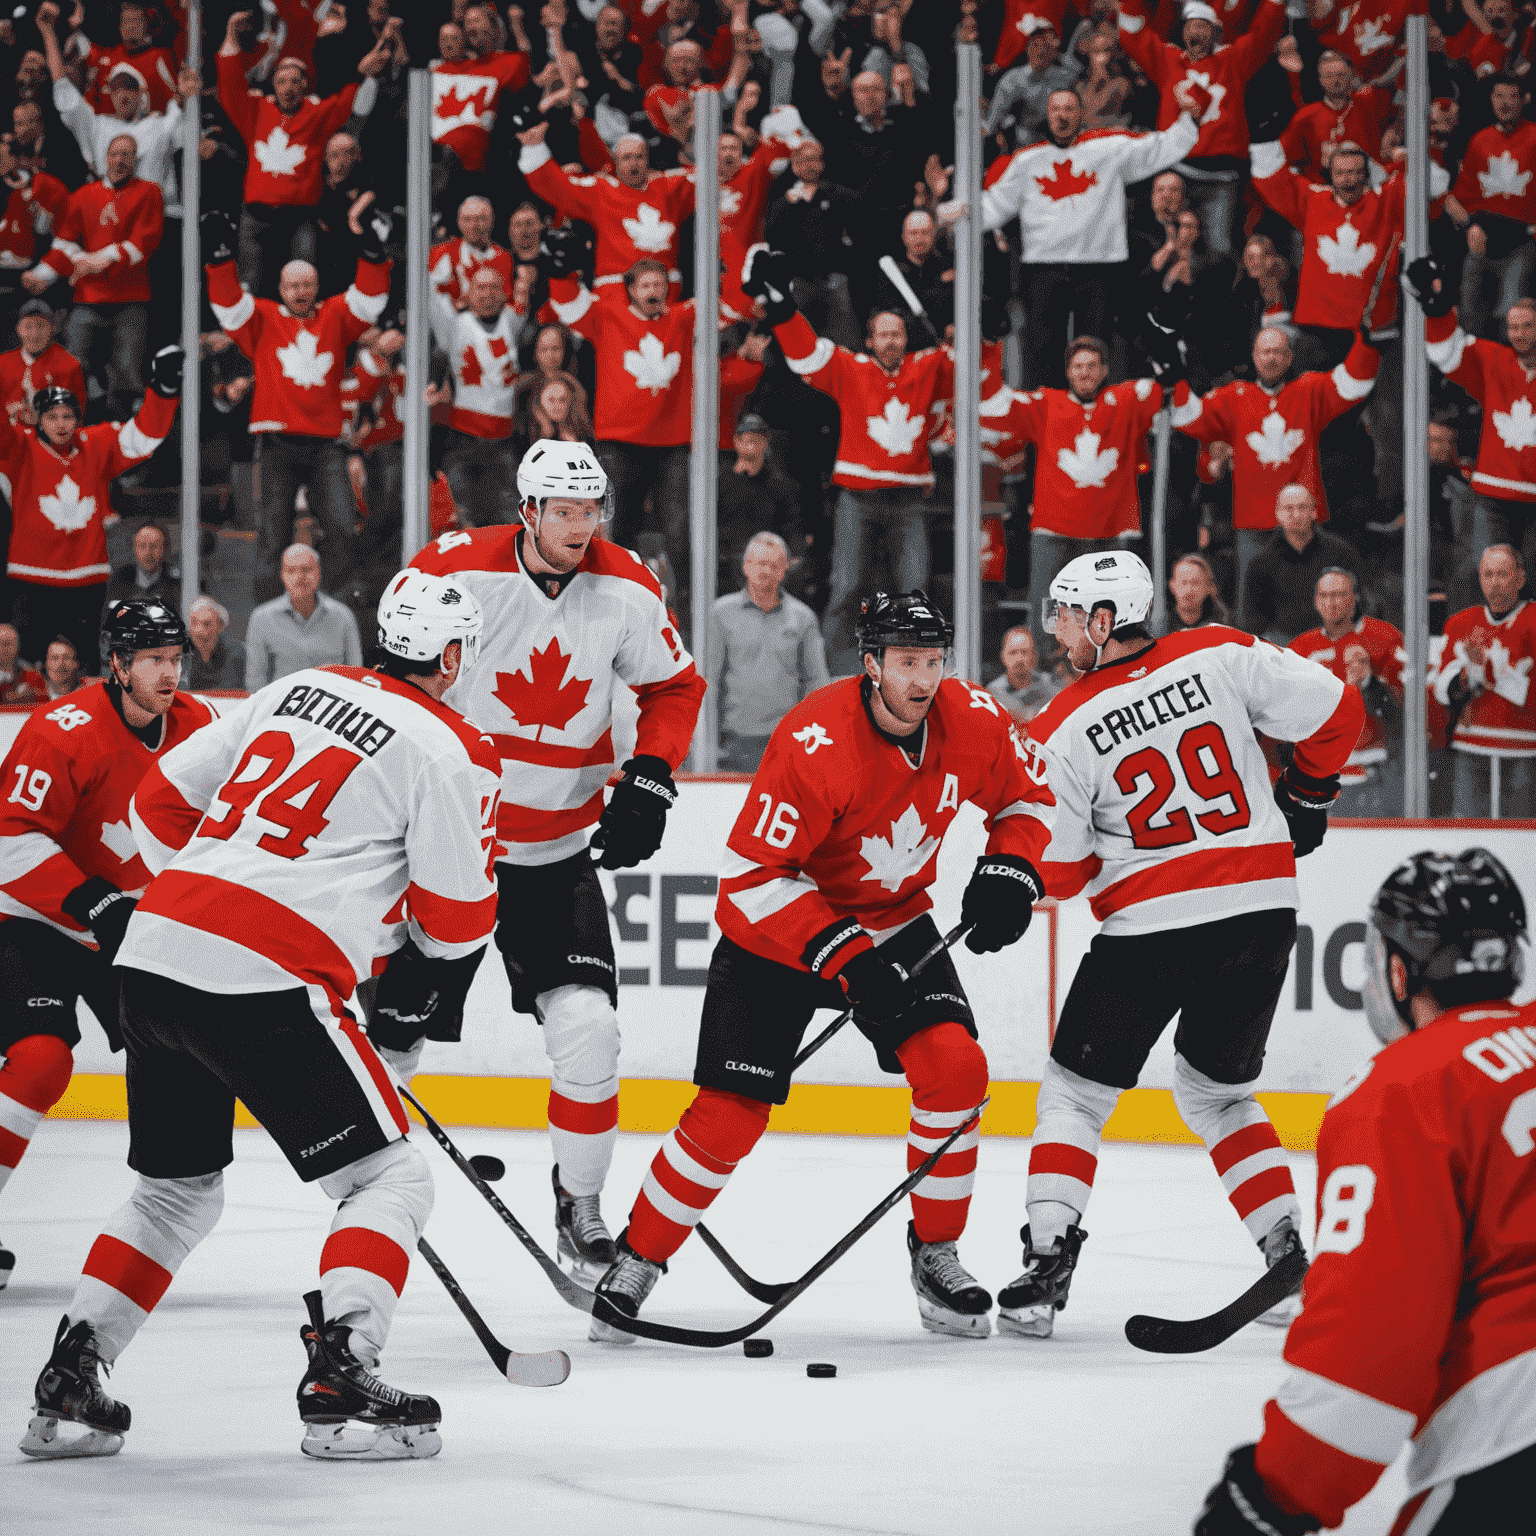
x=1064, y=181
x=470, y=371
x=544, y=697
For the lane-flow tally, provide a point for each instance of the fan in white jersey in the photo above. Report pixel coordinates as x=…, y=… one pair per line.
x=1164, y=813
x=570, y=618
x=281, y=839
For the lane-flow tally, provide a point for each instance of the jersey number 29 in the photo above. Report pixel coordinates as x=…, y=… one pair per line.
x=1209, y=770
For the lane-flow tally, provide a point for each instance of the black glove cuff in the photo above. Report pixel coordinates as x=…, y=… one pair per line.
x=90, y=899
x=1314, y=794
x=828, y=945
x=1009, y=866
x=654, y=776
x=1248, y=1501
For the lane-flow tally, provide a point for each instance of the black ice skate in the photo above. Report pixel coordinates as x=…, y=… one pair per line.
x=583, y=1242
x=948, y=1298
x=1029, y=1306
x=348, y=1413
x=1282, y=1239
x=69, y=1391
x=628, y=1281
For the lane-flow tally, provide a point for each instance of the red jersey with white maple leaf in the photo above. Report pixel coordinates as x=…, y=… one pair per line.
x=124, y=222
x=155, y=66
x=372, y=382
x=543, y=685
x=1424, y=1169
x=465, y=96
x=484, y=365
x=1367, y=33
x=839, y=823
x=71, y=773
x=21, y=376
x=1494, y=377
x=1360, y=120
x=299, y=363
x=1497, y=173
x=1499, y=720
x=882, y=440
x=455, y=261
x=1274, y=435
x=30, y=210
x=59, y=501
x=1085, y=468
x=1010, y=43
x=1384, y=645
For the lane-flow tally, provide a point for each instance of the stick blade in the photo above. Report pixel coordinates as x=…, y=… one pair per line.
x=1192, y=1336
x=546, y=1368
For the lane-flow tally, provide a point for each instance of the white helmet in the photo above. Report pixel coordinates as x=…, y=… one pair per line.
x=1114, y=577
x=552, y=468
x=420, y=615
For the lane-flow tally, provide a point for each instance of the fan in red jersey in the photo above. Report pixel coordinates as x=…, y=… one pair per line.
x=70, y=870
x=1417, y=1319
x=824, y=903
x=1165, y=815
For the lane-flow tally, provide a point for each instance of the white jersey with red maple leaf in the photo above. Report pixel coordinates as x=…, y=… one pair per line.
x=1383, y=644
x=1500, y=717
x=465, y=96
x=1274, y=434
x=839, y=823
x=1070, y=202
x=1498, y=173
x=544, y=682
x=484, y=364
x=299, y=363
x=1494, y=377
x=1164, y=805
x=1087, y=453
x=455, y=261
x=59, y=501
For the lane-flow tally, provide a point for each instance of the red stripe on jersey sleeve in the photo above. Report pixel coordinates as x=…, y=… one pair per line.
x=1327, y=749
x=44, y=888
x=1305, y=1475
x=363, y=1248
x=1066, y=880
x=1197, y=872
x=669, y=712
x=125, y=1269
x=448, y=920
x=520, y=824
x=163, y=809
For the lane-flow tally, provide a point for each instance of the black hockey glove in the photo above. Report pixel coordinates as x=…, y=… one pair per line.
x=377, y=228
x=765, y=275
x=420, y=998
x=97, y=904
x=165, y=372
x=999, y=902
x=1240, y=1505
x=877, y=989
x=1422, y=276
x=561, y=252
x=636, y=816
x=220, y=237
x=1305, y=803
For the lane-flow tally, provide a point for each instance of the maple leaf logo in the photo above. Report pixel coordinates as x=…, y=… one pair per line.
x=1516, y=426
x=1371, y=36
x=470, y=372
x=893, y=863
x=1085, y=463
x=67, y=509
x=1213, y=88
x=544, y=697
x=1503, y=178
x=648, y=231
x=1273, y=444
x=1064, y=181
x=118, y=836
x=302, y=363
x=1345, y=256
x=458, y=101
x=730, y=202
x=651, y=367
x=813, y=736
x=277, y=156
x=896, y=430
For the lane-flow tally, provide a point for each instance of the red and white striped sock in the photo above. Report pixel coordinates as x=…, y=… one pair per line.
x=1070, y=1113
x=36, y=1072
x=692, y=1166
x=948, y=1073
x=583, y=1135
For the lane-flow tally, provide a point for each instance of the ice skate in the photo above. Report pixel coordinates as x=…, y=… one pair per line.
x=1282, y=1239
x=948, y=1298
x=1028, y=1307
x=583, y=1243
x=348, y=1413
x=70, y=1392
x=628, y=1281
x=7, y=1264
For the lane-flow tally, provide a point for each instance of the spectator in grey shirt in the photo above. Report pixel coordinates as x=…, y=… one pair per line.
x=217, y=659
x=765, y=655
x=1023, y=690
x=1024, y=90
x=303, y=628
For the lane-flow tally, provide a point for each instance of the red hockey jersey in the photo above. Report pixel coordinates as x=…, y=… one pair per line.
x=1494, y=377
x=299, y=363
x=70, y=775
x=1275, y=435
x=882, y=441
x=1010, y=42
x=1086, y=455
x=60, y=501
x=1417, y=1312
x=1384, y=645
x=1360, y=120
x=1497, y=172
x=465, y=96
x=1500, y=717
x=123, y=222
x=155, y=66
x=744, y=198
x=30, y=211
x=1367, y=33
x=838, y=823
x=388, y=389
x=455, y=261
x=21, y=376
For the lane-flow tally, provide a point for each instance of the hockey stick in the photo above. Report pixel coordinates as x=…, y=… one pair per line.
x=888, y=266
x=547, y=1368
x=1175, y=1336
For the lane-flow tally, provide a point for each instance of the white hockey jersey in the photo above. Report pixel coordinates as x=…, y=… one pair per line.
x=484, y=364
x=1164, y=805
x=544, y=681
x=291, y=839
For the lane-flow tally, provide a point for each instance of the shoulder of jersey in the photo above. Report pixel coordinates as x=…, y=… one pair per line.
x=1446, y=1045
x=189, y=712
x=1095, y=134
x=468, y=734
x=475, y=549
x=92, y=702
x=958, y=699
x=605, y=558
x=835, y=708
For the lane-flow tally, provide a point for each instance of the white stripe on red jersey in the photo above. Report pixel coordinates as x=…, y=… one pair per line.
x=1495, y=377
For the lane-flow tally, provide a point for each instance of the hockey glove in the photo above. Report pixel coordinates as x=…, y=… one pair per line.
x=999, y=902
x=376, y=232
x=420, y=998
x=220, y=237
x=97, y=904
x=765, y=275
x=1305, y=802
x=636, y=815
x=877, y=989
x=165, y=372
x=1240, y=1505
x=1422, y=276
x=561, y=252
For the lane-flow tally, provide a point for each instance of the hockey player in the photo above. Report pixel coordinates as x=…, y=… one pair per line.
x=1417, y=1322
x=1165, y=816
x=823, y=902
x=568, y=617
x=279, y=837
x=69, y=869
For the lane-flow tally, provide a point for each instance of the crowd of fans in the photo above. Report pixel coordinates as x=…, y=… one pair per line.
x=1190, y=207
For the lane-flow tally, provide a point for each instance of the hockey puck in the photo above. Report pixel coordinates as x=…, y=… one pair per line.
x=489, y=1168
x=820, y=1368
x=757, y=1349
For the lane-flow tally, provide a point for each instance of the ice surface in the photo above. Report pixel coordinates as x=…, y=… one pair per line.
x=919, y=1435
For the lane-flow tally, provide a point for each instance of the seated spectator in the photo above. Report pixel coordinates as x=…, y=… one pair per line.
x=61, y=668
x=1196, y=602
x=147, y=574
x=930, y=274
x=1022, y=688
x=217, y=660
x=303, y=628
x=815, y=224
x=765, y=655
x=19, y=683
x=36, y=364
x=1280, y=587
x=1020, y=97
x=754, y=495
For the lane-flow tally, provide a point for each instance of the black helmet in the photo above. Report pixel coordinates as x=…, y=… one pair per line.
x=1458, y=924
x=141, y=624
x=55, y=394
x=901, y=618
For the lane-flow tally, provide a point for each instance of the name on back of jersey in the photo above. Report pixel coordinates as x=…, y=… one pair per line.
x=358, y=727
x=1117, y=726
